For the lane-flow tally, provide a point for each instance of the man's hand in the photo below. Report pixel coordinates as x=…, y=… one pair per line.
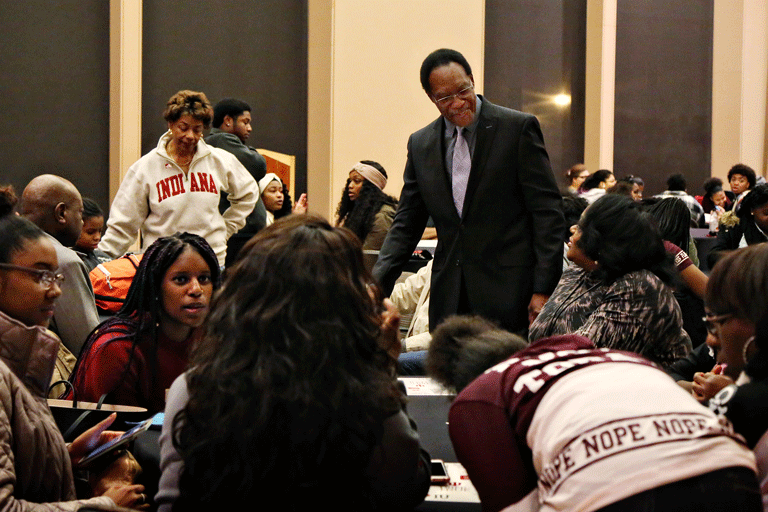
x=534, y=307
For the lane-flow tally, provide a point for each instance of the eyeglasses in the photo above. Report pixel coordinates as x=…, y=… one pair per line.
x=44, y=277
x=712, y=321
x=464, y=94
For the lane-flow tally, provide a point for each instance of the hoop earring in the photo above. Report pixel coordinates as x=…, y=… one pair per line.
x=749, y=342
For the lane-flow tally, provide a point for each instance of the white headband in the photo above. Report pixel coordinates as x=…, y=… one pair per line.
x=372, y=174
x=267, y=179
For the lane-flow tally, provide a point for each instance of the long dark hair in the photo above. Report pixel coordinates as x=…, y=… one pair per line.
x=358, y=215
x=288, y=391
x=138, y=318
x=674, y=221
x=622, y=238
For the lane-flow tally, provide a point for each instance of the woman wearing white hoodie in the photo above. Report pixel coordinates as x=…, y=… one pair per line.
x=177, y=186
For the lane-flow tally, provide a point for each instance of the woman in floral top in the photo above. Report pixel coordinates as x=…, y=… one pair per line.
x=616, y=292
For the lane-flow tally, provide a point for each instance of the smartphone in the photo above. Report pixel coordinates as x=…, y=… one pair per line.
x=115, y=444
x=439, y=473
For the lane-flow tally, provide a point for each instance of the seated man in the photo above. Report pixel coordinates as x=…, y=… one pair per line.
x=231, y=128
x=55, y=205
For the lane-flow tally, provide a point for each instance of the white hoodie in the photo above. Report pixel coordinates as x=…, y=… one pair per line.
x=157, y=197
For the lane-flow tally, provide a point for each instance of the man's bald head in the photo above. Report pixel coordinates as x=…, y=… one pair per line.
x=55, y=205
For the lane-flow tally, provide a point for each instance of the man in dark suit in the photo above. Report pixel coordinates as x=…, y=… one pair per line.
x=493, y=198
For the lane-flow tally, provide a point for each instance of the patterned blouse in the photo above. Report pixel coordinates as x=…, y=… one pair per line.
x=636, y=312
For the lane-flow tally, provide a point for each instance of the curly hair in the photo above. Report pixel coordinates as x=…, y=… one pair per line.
x=463, y=347
x=745, y=171
x=358, y=216
x=712, y=186
x=756, y=198
x=287, y=207
x=190, y=103
x=622, y=238
x=8, y=199
x=289, y=389
x=137, y=320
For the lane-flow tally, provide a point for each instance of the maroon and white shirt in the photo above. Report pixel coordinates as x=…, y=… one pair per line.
x=587, y=426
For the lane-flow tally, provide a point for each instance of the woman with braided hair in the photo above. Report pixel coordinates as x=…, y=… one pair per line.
x=135, y=356
x=364, y=208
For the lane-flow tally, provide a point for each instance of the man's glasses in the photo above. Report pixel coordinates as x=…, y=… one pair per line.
x=44, y=277
x=712, y=321
x=464, y=94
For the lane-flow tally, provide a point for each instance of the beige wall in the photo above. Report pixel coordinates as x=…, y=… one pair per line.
x=364, y=91
x=600, y=84
x=740, y=85
x=124, y=89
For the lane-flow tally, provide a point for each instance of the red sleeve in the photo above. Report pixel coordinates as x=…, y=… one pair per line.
x=104, y=371
x=486, y=445
x=682, y=260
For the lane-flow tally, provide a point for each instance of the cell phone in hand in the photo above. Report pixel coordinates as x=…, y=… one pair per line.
x=115, y=444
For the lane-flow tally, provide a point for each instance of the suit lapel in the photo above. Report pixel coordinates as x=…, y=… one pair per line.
x=486, y=128
x=435, y=159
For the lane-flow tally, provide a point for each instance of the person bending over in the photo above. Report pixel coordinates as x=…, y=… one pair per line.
x=587, y=429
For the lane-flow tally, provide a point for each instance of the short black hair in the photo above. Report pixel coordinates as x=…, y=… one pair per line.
x=745, y=171
x=622, y=238
x=676, y=182
x=228, y=107
x=441, y=57
x=91, y=209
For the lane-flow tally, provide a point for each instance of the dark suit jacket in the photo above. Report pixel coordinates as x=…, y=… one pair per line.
x=507, y=245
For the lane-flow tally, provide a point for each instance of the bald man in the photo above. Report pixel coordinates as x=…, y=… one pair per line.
x=55, y=205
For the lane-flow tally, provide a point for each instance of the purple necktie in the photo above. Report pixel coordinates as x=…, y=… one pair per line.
x=462, y=163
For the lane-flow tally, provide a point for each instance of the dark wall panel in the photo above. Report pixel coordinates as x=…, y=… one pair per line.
x=54, y=93
x=663, y=113
x=255, y=51
x=535, y=49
